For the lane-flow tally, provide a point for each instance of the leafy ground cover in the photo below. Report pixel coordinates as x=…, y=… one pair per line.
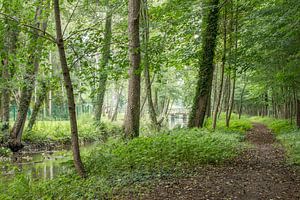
x=117, y=164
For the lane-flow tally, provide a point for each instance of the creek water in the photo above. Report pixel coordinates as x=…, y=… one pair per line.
x=39, y=165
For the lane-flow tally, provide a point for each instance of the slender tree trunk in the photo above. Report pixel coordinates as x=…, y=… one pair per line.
x=298, y=113
x=145, y=20
x=241, y=100
x=145, y=98
x=5, y=99
x=106, y=56
x=39, y=102
x=28, y=87
x=69, y=88
x=218, y=100
x=231, y=104
x=204, y=83
x=132, y=120
x=115, y=114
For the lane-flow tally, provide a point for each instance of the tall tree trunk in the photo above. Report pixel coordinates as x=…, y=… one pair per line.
x=5, y=99
x=39, y=102
x=145, y=20
x=204, y=83
x=231, y=104
x=241, y=100
x=69, y=88
x=132, y=120
x=11, y=33
x=115, y=113
x=106, y=56
x=28, y=87
x=218, y=100
x=298, y=113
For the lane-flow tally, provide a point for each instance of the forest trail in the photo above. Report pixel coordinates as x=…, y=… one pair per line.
x=259, y=173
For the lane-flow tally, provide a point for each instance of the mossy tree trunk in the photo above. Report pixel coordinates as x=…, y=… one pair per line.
x=132, y=119
x=69, y=89
x=28, y=84
x=204, y=82
x=104, y=63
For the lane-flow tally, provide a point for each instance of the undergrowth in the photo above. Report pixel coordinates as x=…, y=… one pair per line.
x=59, y=131
x=119, y=163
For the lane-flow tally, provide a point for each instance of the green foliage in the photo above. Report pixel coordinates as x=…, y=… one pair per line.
x=236, y=125
x=59, y=132
x=118, y=163
x=4, y=152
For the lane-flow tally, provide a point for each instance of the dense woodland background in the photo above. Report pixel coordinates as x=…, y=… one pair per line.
x=142, y=63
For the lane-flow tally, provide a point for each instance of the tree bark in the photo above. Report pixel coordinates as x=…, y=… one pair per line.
x=204, y=83
x=5, y=99
x=28, y=87
x=132, y=120
x=69, y=88
x=298, y=113
x=104, y=63
x=218, y=100
x=145, y=19
x=115, y=113
x=39, y=102
x=241, y=100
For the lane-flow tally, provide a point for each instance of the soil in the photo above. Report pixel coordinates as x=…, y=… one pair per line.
x=261, y=172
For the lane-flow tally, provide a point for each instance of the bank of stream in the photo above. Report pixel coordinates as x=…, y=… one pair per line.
x=39, y=164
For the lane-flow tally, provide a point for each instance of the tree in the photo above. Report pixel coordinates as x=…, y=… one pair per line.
x=132, y=120
x=69, y=88
x=205, y=73
x=29, y=81
x=146, y=62
x=104, y=63
x=219, y=95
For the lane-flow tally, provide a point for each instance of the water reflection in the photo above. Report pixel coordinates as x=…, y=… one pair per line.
x=39, y=165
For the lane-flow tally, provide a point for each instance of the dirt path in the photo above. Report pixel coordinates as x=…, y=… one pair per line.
x=260, y=173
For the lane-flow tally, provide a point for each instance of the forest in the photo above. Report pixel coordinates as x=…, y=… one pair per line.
x=149, y=99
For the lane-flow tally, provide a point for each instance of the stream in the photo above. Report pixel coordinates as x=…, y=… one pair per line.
x=39, y=165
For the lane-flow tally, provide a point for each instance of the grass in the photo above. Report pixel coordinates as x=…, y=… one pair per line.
x=117, y=164
x=287, y=134
x=236, y=125
x=59, y=131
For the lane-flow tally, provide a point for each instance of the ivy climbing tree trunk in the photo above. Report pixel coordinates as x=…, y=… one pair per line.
x=31, y=70
x=69, y=88
x=204, y=82
x=132, y=119
x=10, y=38
x=105, y=60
